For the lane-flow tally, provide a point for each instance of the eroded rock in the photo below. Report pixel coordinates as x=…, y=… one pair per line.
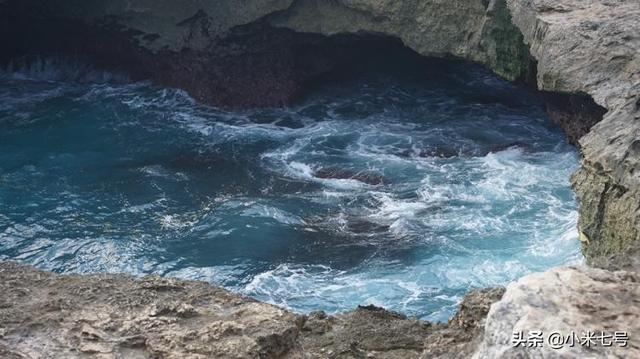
x=44, y=315
x=465, y=329
x=566, y=300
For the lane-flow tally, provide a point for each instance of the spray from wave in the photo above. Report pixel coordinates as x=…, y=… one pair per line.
x=58, y=69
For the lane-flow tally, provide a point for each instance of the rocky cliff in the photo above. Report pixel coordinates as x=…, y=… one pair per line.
x=583, y=54
x=593, y=47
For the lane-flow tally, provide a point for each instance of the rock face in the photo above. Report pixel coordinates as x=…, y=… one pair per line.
x=593, y=47
x=566, y=300
x=476, y=30
x=357, y=334
x=45, y=315
x=465, y=329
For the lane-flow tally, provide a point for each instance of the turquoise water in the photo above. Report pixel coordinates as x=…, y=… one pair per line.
x=467, y=185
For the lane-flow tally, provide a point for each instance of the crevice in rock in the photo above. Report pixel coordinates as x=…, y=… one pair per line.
x=574, y=113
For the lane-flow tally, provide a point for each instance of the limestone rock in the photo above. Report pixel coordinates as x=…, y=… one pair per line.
x=465, y=329
x=476, y=30
x=565, y=300
x=367, y=332
x=254, y=53
x=44, y=315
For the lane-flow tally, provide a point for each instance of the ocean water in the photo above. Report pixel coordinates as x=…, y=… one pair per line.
x=393, y=188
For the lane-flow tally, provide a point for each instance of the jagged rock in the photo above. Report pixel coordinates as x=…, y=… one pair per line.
x=575, y=114
x=565, y=300
x=367, y=332
x=465, y=329
x=44, y=315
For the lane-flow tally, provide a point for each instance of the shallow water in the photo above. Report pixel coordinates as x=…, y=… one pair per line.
x=102, y=175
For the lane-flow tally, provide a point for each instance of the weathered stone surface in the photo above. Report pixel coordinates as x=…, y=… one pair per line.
x=367, y=332
x=44, y=315
x=563, y=300
x=476, y=30
x=575, y=114
x=219, y=49
x=465, y=329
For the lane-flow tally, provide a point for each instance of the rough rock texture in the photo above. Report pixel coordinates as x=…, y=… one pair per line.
x=46, y=315
x=576, y=114
x=367, y=332
x=477, y=30
x=593, y=47
x=465, y=329
x=372, y=332
x=563, y=300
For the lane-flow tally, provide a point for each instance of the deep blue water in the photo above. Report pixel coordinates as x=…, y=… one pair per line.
x=102, y=175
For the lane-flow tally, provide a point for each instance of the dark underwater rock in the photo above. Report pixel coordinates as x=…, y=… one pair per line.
x=441, y=152
x=368, y=177
x=526, y=147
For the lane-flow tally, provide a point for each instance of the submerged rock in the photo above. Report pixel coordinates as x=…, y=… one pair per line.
x=441, y=152
x=353, y=225
x=526, y=147
x=368, y=177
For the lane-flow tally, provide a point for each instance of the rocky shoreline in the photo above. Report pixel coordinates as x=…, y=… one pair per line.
x=584, y=55
x=44, y=315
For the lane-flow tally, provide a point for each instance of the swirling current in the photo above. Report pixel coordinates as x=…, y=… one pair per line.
x=385, y=188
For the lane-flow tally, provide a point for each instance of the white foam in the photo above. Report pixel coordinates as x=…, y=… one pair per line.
x=59, y=69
